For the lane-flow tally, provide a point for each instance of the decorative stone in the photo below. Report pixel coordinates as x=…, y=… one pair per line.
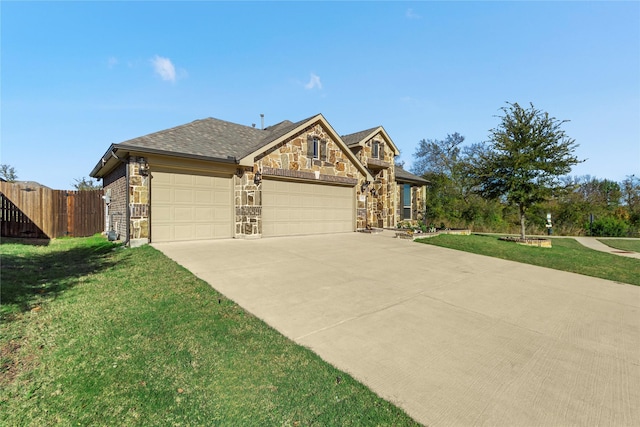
x=135, y=180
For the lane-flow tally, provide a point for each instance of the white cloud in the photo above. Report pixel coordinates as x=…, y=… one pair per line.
x=164, y=68
x=412, y=15
x=112, y=61
x=314, y=82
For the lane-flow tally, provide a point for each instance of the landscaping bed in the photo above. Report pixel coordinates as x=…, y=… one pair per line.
x=528, y=241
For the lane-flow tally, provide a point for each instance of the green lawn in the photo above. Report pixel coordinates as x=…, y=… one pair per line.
x=96, y=334
x=566, y=254
x=623, y=244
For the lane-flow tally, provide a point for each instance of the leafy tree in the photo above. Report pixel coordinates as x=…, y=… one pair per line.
x=84, y=184
x=527, y=154
x=438, y=161
x=8, y=173
x=631, y=192
x=630, y=188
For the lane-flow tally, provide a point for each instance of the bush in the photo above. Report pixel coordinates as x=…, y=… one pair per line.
x=608, y=227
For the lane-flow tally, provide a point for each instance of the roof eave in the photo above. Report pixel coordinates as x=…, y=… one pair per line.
x=120, y=151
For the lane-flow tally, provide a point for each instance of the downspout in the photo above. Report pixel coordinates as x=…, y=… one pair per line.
x=127, y=207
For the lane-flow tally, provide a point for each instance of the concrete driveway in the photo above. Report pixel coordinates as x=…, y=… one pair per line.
x=451, y=337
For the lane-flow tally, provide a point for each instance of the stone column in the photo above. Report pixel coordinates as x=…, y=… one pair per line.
x=138, y=201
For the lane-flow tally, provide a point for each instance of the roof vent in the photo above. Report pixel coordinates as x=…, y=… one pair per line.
x=253, y=125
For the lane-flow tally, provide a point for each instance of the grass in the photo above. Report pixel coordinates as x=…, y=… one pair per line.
x=566, y=254
x=96, y=334
x=623, y=244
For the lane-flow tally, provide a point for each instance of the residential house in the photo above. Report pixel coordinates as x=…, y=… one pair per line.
x=212, y=179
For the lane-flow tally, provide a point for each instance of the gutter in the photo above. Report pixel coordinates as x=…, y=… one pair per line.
x=143, y=150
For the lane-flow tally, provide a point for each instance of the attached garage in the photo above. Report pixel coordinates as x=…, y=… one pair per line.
x=297, y=208
x=190, y=207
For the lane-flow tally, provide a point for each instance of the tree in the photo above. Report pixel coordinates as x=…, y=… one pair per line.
x=527, y=154
x=84, y=184
x=438, y=156
x=8, y=173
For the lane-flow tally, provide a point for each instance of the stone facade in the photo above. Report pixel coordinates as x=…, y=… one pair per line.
x=381, y=201
x=294, y=158
x=139, y=198
x=417, y=203
x=248, y=204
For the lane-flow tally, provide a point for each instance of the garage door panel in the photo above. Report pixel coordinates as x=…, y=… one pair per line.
x=183, y=214
x=190, y=207
x=183, y=232
x=183, y=179
x=203, y=197
x=293, y=208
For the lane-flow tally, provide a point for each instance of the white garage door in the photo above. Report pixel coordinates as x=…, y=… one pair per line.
x=190, y=207
x=293, y=208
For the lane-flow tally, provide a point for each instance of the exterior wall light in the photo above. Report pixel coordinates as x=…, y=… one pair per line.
x=257, y=178
x=143, y=166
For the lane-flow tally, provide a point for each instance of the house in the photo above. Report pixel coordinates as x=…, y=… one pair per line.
x=212, y=179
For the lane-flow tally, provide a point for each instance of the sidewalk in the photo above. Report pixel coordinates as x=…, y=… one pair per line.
x=595, y=244
x=588, y=242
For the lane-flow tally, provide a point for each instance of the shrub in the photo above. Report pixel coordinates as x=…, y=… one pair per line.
x=608, y=227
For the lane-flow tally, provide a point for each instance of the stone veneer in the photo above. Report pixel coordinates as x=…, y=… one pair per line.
x=139, y=200
x=248, y=204
x=293, y=158
x=417, y=204
x=381, y=200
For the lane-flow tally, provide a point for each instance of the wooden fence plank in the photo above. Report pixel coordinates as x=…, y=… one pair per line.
x=50, y=213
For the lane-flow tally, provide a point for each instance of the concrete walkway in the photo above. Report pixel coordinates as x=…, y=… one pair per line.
x=453, y=338
x=597, y=245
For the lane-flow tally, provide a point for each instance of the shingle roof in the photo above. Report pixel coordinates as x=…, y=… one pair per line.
x=354, y=138
x=207, y=137
x=212, y=138
x=272, y=133
x=403, y=175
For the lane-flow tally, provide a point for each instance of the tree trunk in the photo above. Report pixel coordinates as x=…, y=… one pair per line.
x=522, y=221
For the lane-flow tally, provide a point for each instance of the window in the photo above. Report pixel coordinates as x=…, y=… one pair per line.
x=406, y=201
x=375, y=149
x=316, y=148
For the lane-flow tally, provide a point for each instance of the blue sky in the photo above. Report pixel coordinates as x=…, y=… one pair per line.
x=79, y=76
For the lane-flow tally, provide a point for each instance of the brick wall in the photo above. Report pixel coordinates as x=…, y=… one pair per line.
x=115, y=183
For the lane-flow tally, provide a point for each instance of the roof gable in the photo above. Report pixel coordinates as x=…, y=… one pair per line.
x=285, y=132
x=359, y=138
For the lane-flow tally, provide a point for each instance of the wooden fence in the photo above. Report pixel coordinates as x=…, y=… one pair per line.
x=44, y=213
